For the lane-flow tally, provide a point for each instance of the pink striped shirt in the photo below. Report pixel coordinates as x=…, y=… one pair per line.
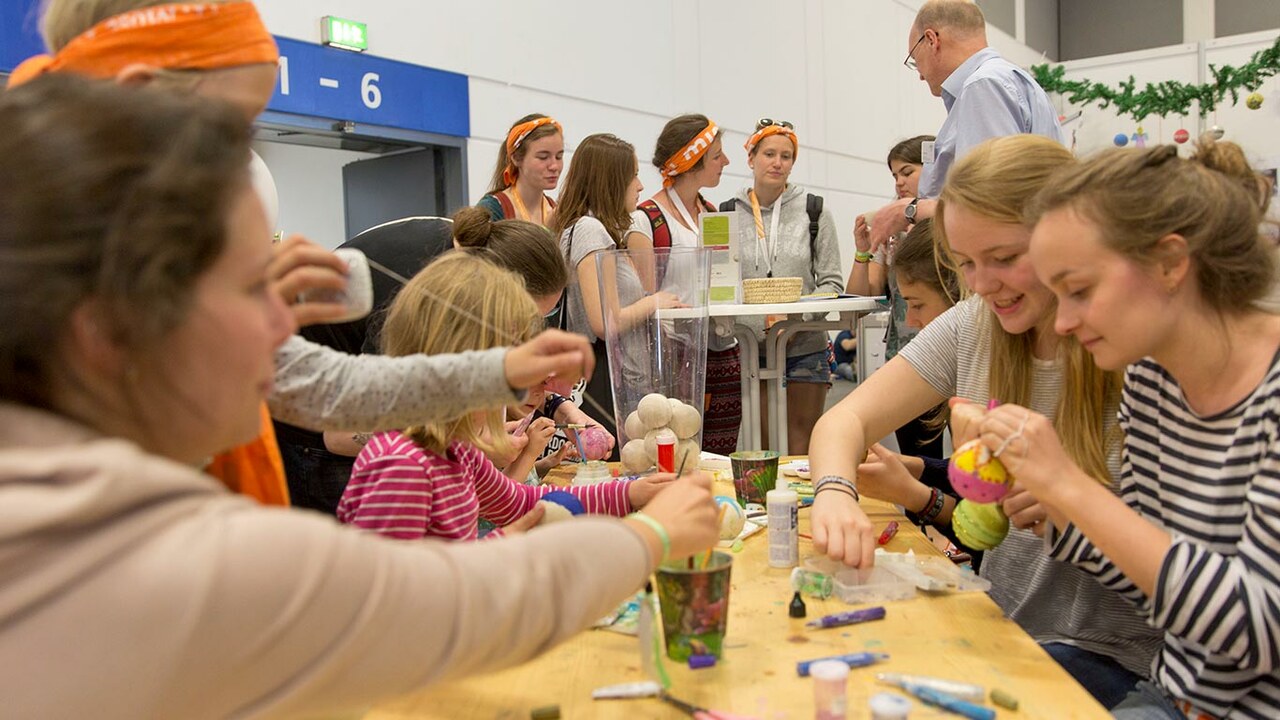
x=402, y=490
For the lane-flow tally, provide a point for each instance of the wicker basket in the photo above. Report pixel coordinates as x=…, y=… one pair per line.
x=772, y=290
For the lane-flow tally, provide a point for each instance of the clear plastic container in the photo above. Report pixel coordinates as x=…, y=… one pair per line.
x=931, y=574
x=856, y=586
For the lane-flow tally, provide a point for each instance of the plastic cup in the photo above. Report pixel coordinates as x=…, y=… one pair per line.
x=755, y=472
x=695, y=605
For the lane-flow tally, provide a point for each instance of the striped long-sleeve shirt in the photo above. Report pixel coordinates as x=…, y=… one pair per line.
x=1214, y=484
x=404, y=491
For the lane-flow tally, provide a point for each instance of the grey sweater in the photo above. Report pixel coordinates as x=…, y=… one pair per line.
x=793, y=256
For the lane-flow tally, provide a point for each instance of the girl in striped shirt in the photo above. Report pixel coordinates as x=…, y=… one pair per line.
x=433, y=480
x=1157, y=264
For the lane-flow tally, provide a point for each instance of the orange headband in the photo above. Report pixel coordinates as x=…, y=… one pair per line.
x=768, y=130
x=689, y=155
x=517, y=136
x=172, y=37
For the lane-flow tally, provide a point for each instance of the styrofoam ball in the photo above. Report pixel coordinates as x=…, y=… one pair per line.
x=689, y=447
x=686, y=422
x=553, y=512
x=654, y=410
x=633, y=427
x=596, y=442
x=734, y=518
x=634, y=458
x=675, y=405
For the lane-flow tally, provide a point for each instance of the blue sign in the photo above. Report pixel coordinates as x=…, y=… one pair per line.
x=19, y=32
x=325, y=82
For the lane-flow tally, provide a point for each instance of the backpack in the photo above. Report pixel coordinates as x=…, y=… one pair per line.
x=509, y=208
x=812, y=206
x=658, y=222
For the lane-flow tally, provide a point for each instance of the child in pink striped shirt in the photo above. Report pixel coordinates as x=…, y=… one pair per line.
x=434, y=480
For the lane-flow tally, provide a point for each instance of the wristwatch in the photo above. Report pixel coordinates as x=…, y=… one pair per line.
x=910, y=211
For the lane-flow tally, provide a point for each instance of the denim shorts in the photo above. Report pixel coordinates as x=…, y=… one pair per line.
x=811, y=368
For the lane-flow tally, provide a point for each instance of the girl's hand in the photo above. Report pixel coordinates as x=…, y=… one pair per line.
x=665, y=300
x=1028, y=446
x=965, y=419
x=862, y=234
x=546, y=464
x=686, y=511
x=299, y=265
x=883, y=476
x=841, y=530
x=525, y=522
x=540, y=433
x=641, y=490
x=1024, y=511
x=552, y=352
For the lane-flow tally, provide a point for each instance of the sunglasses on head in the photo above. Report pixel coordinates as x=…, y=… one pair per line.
x=766, y=122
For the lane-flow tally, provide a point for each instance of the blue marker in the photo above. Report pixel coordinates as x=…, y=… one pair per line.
x=847, y=618
x=950, y=703
x=853, y=660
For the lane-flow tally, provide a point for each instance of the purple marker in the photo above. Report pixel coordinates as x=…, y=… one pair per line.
x=852, y=617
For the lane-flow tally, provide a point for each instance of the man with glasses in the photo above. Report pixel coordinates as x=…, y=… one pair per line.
x=986, y=96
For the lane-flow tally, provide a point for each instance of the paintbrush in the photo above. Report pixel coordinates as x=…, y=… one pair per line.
x=571, y=426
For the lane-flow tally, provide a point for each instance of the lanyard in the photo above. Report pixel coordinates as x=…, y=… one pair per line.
x=684, y=214
x=766, y=246
x=523, y=214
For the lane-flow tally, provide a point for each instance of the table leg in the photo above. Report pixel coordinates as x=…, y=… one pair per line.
x=749, y=357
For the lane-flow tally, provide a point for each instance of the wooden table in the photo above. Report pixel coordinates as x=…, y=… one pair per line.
x=961, y=637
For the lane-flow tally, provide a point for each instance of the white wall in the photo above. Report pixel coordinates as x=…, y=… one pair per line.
x=309, y=182
x=833, y=67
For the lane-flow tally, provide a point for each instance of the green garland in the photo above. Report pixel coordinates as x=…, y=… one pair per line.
x=1166, y=98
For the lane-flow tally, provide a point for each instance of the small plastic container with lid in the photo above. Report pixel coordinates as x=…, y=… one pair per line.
x=830, y=697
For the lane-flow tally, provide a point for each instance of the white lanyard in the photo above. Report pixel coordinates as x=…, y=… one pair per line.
x=767, y=246
x=684, y=214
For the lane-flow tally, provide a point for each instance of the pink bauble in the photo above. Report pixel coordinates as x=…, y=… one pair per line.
x=976, y=474
x=595, y=442
x=1181, y=136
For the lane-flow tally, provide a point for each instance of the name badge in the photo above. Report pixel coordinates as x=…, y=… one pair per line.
x=926, y=152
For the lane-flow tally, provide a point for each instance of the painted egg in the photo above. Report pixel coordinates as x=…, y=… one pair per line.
x=595, y=442
x=978, y=525
x=732, y=519
x=976, y=474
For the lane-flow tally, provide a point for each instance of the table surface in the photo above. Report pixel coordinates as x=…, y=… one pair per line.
x=955, y=636
x=822, y=307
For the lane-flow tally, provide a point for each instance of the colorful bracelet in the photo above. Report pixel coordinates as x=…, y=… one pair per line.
x=932, y=509
x=827, y=481
x=660, y=531
x=863, y=257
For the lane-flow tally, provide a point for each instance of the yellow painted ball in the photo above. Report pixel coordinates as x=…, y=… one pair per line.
x=1254, y=101
x=976, y=474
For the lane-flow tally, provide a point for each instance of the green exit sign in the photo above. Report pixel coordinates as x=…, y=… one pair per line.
x=345, y=34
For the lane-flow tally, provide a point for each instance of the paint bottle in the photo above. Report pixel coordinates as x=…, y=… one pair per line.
x=784, y=530
x=666, y=442
x=830, y=701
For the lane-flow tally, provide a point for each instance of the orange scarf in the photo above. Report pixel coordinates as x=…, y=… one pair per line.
x=256, y=469
x=172, y=37
x=768, y=130
x=517, y=136
x=686, y=157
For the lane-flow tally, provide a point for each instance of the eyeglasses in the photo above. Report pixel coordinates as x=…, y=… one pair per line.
x=910, y=62
x=766, y=122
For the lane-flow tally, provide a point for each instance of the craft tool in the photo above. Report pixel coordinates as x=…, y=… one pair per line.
x=853, y=660
x=582, y=453
x=889, y=531
x=852, y=617
x=524, y=425
x=950, y=703
x=962, y=690
x=699, y=713
x=571, y=426
x=627, y=691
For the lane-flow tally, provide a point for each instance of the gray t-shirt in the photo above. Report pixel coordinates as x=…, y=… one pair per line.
x=1053, y=601
x=578, y=242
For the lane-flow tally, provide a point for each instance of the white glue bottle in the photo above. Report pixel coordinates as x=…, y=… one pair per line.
x=784, y=531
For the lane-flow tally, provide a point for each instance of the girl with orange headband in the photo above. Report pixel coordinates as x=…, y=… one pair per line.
x=689, y=156
x=785, y=232
x=529, y=164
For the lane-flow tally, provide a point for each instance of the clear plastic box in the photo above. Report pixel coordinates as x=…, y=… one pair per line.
x=856, y=586
x=931, y=574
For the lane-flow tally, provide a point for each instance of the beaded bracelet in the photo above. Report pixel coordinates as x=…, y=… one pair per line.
x=827, y=481
x=660, y=531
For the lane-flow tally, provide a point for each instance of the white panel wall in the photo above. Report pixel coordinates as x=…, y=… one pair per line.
x=833, y=67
